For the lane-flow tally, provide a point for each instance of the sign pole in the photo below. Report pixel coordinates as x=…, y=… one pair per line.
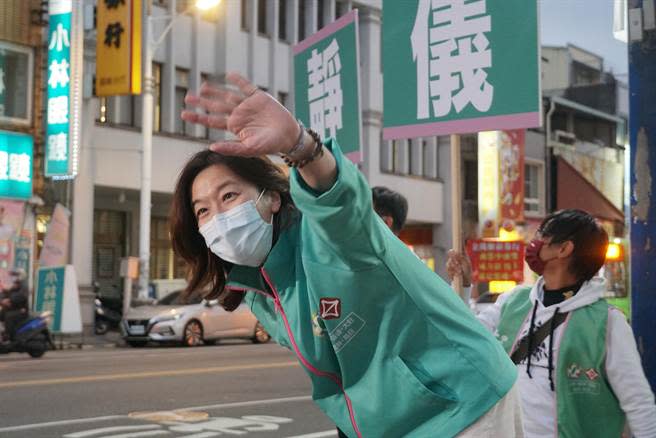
x=456, y=206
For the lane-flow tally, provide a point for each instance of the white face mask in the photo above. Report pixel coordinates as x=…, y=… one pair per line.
x=239, y=235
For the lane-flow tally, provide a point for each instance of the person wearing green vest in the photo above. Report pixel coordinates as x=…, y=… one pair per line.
x=390, y=350
x=579, y=369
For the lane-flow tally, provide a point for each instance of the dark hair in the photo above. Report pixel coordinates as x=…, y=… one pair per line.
x=589, y=238
x=390, y=203
x=207, y=272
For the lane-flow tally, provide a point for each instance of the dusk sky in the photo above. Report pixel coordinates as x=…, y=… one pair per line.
x=587, y=24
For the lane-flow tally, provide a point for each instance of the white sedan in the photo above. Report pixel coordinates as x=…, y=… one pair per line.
x=194, y=323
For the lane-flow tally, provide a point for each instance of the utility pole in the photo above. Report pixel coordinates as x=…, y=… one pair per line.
x=150, y=44
x=147, y=152
x=642, y=123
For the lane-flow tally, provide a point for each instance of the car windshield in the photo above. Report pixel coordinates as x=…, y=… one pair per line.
x=175, y=298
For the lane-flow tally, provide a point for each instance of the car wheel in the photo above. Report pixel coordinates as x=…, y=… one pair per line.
x=260, y=336
x=193, y=334
x=137, y=344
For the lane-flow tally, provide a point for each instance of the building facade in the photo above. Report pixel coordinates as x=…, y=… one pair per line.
x=576, y=159
x=22, y=74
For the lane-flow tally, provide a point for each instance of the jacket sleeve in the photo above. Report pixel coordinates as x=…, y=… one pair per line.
x=343, y=217
x=627, y=378
x=491, y=316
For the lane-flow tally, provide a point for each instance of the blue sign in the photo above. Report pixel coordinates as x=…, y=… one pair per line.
x=50, y=294
x=15, y=165
x=58, y=107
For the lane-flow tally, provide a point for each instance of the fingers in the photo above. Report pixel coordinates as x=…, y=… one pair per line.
x=210, y=105
x=211, y=121
x=230, y=147
x=244, y=85
x=212, y=92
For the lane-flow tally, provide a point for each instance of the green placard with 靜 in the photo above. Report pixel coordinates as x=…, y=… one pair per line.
x=326, y=83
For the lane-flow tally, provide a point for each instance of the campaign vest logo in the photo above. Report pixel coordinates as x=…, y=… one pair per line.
x=330, y=308
x=592, y=374
x=574, y=371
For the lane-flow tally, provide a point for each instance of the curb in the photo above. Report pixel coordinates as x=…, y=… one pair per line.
x=81, y=346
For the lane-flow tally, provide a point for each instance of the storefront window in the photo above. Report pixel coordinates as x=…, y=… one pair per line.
x=16, y=72
x=164, y=263
x=109, y=246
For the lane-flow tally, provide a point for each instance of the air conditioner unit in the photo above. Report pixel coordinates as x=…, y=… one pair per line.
x=565, y=137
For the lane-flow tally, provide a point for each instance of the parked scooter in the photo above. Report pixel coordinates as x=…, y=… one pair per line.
x=32, y=337
x=108, y=313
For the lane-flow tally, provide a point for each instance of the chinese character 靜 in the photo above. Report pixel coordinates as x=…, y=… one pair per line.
x=325, y=90
x=333, y=101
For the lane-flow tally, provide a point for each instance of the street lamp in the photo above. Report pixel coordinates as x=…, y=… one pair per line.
x=150, y=45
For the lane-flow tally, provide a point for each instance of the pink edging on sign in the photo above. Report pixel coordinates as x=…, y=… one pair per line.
x=494, y=123
x=330, y=29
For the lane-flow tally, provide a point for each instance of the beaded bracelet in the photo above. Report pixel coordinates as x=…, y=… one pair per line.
x=299, y=141
x=318, y=151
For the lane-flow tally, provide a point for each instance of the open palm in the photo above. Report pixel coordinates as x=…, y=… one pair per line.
x=262, y=126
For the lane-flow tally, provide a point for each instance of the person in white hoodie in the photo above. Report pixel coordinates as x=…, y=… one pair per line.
x=580, y=371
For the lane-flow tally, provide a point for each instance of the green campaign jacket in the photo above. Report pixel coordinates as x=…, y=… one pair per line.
x=391, y=350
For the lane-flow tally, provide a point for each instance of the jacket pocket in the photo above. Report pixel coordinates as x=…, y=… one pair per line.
x=434, y=393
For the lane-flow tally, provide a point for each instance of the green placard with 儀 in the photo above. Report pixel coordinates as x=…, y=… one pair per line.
x=454, y=67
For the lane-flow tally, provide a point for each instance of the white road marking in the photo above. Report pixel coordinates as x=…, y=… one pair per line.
x=139, y=434
x=104, y=430
x=61, y=423
x=117, y=417
x=203, y=435
x=317, y=434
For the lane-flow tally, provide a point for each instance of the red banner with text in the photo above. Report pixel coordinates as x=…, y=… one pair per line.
x=493, y=260
x=511, y=175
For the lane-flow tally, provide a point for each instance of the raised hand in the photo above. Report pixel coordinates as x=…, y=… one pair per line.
x=262, y=126
x=458, y=264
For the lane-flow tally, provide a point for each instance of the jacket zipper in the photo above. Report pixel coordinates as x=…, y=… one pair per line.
x=332, y=376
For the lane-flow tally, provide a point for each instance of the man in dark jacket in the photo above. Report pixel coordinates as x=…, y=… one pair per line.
x=14, y=303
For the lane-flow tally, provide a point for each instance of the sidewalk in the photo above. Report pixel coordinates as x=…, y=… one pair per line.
x=84, y=341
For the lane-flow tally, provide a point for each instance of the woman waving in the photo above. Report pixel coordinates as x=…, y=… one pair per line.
x=391, y=350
